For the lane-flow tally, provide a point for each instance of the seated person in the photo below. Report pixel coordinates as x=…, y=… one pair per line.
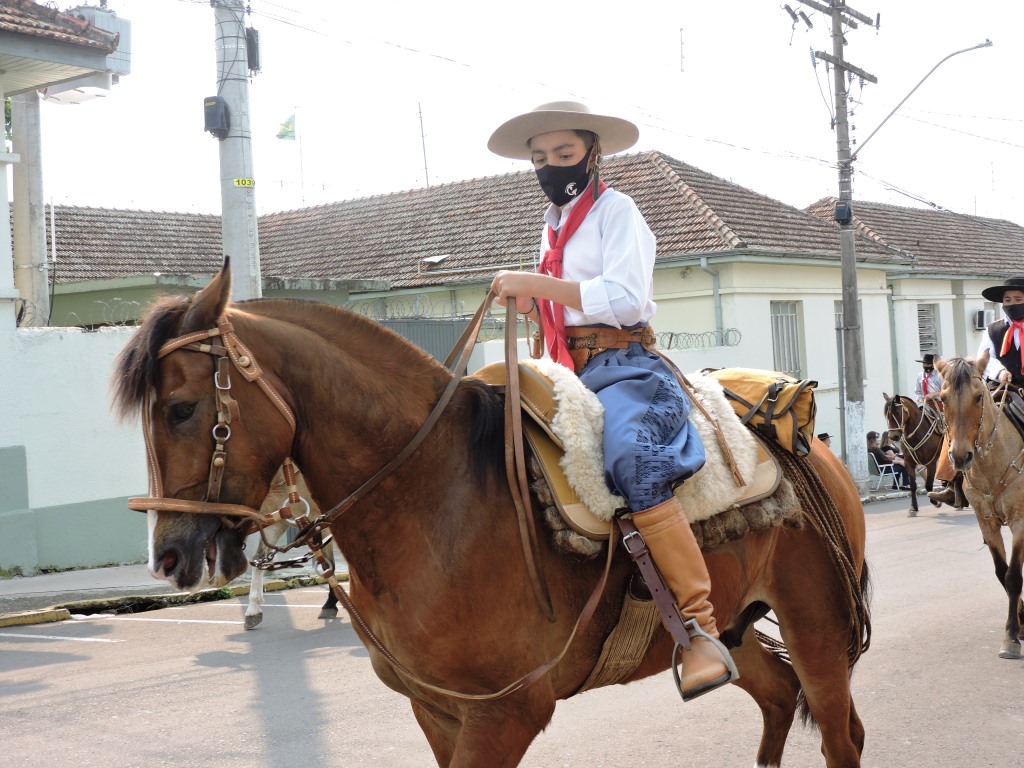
x=889, y=457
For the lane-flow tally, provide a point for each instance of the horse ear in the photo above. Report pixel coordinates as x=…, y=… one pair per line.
x=982, y=362
x=940, y=366
x=886, y=396
x=208, y=305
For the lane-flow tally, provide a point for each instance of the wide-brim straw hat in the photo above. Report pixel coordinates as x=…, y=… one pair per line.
x=995, y=292
x=512, y=137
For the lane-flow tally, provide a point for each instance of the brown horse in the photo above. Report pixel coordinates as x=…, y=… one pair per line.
x=920, y=437
x=434, y=572
x=985, y=445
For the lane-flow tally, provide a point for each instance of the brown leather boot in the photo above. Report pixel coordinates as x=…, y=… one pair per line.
x=946, y=496
x=666, y=531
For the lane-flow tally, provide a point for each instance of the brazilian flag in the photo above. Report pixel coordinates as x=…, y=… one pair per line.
x=287, y=129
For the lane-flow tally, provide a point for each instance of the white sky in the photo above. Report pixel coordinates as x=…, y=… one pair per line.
x=739, y=98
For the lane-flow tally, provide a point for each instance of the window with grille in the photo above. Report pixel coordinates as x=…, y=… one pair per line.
x=928, y=328
x=786, y=337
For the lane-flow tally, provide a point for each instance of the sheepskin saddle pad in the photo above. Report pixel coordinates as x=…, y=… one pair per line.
x=564, y=427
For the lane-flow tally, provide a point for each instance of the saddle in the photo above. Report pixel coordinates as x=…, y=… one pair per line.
x=571, y=463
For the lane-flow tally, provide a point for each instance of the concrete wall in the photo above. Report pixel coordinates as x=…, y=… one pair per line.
x=66, y=466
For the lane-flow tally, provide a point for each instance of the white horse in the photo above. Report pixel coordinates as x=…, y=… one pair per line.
x=277, y=497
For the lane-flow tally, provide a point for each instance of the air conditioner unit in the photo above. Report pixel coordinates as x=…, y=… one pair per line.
x=982, y=318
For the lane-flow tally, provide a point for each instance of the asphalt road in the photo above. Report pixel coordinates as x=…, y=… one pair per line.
x=187, y=686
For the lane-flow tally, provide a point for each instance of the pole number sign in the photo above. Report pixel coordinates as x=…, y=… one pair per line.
x=245, y=182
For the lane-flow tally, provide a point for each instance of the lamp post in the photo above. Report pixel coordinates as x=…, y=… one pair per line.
x=986, y=44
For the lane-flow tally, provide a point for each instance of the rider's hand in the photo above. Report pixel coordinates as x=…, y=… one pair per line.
x=1004, y=376
x=510, y=283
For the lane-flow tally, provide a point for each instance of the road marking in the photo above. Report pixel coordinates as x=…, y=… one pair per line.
x=273, y=605
x=173, y=621
x=61, y=637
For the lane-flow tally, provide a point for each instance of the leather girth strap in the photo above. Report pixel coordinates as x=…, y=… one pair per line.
x=635, y=545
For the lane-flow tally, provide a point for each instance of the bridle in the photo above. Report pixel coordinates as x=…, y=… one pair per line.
x=897, y=404
x=231, y=350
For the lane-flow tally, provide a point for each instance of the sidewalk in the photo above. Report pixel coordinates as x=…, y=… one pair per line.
x=55, y=596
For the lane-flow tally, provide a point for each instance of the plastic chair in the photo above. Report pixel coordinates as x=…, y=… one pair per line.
x=882, y=471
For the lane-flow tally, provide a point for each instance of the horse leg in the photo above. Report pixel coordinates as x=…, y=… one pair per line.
x=441, y=731
x=912, y=473
x=993, y=538
x=254, y=602
x=1012, y=581
x=498, y=735
x=772, y=683
x=929, y=483
x=816, y=634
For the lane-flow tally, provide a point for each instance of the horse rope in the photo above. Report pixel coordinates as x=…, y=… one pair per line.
x=913, y=447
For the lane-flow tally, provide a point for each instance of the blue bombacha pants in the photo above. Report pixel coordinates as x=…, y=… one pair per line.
x=649, y=442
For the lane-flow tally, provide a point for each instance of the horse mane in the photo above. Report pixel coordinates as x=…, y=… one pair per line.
x=959, y=371
x=136, y=368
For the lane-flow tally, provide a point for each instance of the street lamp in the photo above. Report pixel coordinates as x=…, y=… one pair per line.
x=986, y=44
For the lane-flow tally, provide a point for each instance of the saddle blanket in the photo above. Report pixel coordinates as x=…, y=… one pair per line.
x=565, y=430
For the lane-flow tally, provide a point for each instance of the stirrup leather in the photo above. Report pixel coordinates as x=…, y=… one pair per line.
x=732, y=673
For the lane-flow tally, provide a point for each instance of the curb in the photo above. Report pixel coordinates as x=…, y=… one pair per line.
x=142, y=603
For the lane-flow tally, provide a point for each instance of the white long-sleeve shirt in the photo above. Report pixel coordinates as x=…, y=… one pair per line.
x=611, y=256
x=994, y=367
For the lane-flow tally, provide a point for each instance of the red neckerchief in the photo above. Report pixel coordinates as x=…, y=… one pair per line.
x=552, y=314
x=1008, y=339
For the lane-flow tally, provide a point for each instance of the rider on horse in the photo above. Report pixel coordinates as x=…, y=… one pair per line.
x=1002, y=340
x=593, y=297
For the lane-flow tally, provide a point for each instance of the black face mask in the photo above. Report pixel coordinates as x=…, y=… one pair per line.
x=563, y=183
x=1014, y=311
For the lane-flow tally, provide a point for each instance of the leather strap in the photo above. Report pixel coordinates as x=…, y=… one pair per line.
x=635, y=545
x=515, y=465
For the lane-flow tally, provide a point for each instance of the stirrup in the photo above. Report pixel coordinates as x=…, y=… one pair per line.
x=694, y=629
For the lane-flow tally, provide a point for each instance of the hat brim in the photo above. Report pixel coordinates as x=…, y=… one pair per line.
x=996, y=292
x=512, y=137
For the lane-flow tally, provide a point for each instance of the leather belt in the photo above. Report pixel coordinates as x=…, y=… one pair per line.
x=586, y=341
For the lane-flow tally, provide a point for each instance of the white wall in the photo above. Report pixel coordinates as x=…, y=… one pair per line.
x=54, y=387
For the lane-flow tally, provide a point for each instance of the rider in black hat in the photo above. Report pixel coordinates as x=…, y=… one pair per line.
x=1003, y=337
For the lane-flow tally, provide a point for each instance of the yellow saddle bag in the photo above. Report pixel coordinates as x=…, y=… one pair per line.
x=776, y=406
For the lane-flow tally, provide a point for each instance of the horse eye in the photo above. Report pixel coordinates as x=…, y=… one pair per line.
x=182, y=412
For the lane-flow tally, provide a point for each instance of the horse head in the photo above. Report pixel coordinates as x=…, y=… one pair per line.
x=966, y=402
x=189, y=409
x=895, y=416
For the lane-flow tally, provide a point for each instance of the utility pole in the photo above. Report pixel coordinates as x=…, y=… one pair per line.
x=239, y=232
x=852, y=352
x=31, y=273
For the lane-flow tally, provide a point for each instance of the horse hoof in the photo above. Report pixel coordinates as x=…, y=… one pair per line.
x=252, y=621
x=328, y=613
x=1009, y=650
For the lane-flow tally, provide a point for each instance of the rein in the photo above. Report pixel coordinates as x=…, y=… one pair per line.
x=311, y=531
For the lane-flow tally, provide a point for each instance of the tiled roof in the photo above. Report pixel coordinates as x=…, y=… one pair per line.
x=101, y=243
x=941, y=241
x=29, y=18
x=479, y=226
x=495, y=222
